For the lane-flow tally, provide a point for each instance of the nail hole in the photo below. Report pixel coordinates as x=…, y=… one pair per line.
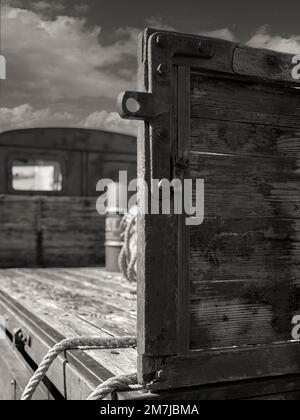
x=133, y=105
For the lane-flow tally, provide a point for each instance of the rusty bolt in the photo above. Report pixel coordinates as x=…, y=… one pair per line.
x=162, y=69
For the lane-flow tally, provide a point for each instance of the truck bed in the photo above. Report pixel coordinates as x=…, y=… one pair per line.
x=57, y=303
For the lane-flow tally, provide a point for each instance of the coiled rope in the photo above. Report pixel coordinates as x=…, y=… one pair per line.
x=122, y=382
x=128, y=255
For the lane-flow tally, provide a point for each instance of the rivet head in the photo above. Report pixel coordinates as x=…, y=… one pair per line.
x=159, y=41
x=162, y=69
x=161, y=375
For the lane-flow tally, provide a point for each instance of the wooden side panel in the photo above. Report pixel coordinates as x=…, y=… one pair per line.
x=245, y=281
x=15, y=375
x=240, y=138
x=239, y=186
x=72, y=232
x=50, y=231
x=244, y=259
x=18, y=220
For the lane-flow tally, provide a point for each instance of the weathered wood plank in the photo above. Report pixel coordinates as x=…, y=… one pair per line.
x=109, y=309
x=17, y=232
x=234, y=138
x=244, y=281
x=263, y=388
x=244, y=101
x=263, y=63
x=87, y=302
x=50, y=231
x=183, y=151
x=248, y=186
x=228, y=365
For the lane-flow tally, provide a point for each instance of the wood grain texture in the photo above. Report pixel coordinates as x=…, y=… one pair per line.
x=262, y=63
x=247, y=101
x=243, y=139
x=245, y=285
x=244, y=259
x=248, y=186
x=79, y=302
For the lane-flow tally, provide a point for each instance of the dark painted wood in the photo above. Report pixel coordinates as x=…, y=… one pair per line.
x=285, y=387
x=50, y=231
x=228, y=365
x=15, y=375
x=183, y=152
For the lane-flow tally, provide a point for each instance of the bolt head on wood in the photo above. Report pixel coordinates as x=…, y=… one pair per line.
x=159, y=41
x=161, y=132
x=161, y=375
x=162, y=69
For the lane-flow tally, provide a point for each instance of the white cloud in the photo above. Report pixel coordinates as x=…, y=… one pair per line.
x=25, y=116
x=109, y=121
x=60, y=72
x=60, y=59
x=157, y=23
x=262, y=39
x=223, y=33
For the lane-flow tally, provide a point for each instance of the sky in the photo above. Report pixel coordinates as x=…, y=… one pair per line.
x=67, y=60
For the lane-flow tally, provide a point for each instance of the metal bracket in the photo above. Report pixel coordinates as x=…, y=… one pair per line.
x=154, y=105
x=147, y=108
x=20, y=338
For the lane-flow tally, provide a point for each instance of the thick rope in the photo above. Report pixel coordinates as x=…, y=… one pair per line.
x=118, y=383
x=80, y=343
x=128, y=255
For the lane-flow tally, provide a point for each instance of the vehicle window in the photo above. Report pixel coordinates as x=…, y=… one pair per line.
x=36, y=175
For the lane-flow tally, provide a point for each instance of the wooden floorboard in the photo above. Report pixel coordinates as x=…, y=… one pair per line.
x=79, y=302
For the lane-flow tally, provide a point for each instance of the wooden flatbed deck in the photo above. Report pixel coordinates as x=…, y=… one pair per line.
x=79, y=302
